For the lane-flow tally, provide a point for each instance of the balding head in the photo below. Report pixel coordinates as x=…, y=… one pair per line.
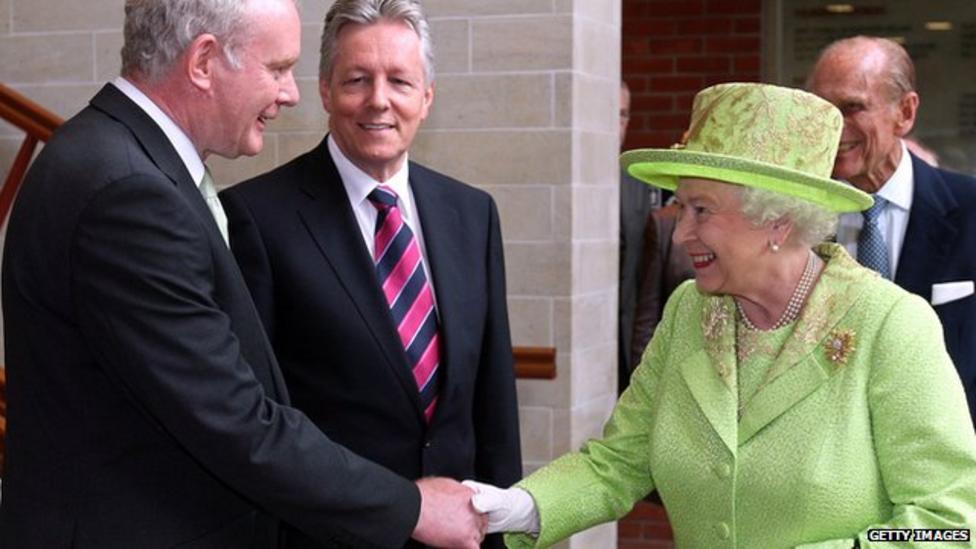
x=872, y=82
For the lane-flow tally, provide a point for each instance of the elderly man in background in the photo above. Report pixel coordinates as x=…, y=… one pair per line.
x=146, y=407
x=921, y=231
x=381, y=282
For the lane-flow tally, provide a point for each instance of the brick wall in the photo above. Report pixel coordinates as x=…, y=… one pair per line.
x=671, y=49
x=646, y=527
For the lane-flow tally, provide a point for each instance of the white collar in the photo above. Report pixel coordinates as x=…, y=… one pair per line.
x=358, y=183
x=899, y=187
x=184, y=147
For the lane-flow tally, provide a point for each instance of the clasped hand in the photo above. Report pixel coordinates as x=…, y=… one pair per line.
x=508, y=510
x=458, y=515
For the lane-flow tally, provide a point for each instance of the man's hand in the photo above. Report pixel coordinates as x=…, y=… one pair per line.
x=447, y=518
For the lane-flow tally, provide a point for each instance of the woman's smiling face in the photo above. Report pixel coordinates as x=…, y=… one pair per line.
x=723, y=244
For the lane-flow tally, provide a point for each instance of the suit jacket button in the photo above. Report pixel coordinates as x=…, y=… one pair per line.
x=428, y=444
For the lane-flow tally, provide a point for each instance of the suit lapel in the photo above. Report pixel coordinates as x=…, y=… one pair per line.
x=158, y=147
x=781, y=394
x=333, y=229
x=152, y=139
x=714, y=396
x=799, y=369
x=801, y=366
x=930, y=232
x=710, y=373
x=440, y=220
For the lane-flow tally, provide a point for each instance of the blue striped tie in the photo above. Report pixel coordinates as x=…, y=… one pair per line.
x=872, y=252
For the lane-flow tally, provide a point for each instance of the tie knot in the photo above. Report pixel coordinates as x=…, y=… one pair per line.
x=871, y=214
x=383, y=197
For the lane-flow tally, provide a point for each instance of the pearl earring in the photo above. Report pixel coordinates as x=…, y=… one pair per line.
x=774, y=247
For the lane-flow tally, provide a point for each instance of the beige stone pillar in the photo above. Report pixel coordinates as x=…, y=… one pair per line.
x=526, y=108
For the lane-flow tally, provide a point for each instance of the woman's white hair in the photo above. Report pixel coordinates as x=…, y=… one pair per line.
x=812, y=224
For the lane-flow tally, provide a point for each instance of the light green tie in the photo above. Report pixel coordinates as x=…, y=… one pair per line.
x=209, y=192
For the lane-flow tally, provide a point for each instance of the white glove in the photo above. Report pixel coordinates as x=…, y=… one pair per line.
x=509, y=510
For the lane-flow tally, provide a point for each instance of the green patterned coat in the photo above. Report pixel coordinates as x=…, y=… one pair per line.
x=861, y=424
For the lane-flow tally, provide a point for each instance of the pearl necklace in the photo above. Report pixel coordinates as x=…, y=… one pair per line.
x=795, y=303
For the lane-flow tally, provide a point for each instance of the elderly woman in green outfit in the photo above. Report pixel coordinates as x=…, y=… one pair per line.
x=790, y=397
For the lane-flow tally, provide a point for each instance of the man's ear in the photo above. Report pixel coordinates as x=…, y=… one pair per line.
x=201, y=60
x=428, y=100
x=907, y=109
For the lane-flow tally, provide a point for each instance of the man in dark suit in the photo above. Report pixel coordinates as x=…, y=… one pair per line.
x=396, y=346
x=921, y=233
x=637, y=201
x=146, y=408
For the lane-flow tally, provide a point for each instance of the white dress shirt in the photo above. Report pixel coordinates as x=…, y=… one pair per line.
x=359, y=184
x=893, y=221
x=184, y=147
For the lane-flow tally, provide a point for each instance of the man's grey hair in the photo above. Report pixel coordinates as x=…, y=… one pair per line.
x=368, y=12
x=812, y=224
x=157, y=32
x=896, y=68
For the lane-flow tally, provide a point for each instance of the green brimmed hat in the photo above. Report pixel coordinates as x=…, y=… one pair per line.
x=781, y=139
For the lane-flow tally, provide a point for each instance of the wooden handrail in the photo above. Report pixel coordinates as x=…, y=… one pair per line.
x=39, y=123
x=3, y=416
x=27, y=115
x=535, y=362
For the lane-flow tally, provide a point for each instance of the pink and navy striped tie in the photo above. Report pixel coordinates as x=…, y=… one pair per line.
x=399, y=267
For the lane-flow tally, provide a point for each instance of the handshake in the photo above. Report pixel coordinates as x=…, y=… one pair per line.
x=459, y=515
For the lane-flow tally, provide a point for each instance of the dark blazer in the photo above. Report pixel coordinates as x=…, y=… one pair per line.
x=664, y=266
x=314, y=283
x=146, y=408
x=637, y=200
x=940, y=246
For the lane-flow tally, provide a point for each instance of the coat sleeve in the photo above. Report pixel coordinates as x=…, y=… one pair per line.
x=922, y=433
x=498, y=458
x=922, y=430
x=143, y=289
x=602, y=481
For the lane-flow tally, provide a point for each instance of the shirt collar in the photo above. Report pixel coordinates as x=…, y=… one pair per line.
x=184, y=147
x=359, y=184
x=898, y=189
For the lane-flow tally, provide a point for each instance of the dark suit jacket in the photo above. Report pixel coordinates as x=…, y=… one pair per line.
x=636, y=203
x=664, y=266
x=314, y=283
x=144, y=400
x=940, y=246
